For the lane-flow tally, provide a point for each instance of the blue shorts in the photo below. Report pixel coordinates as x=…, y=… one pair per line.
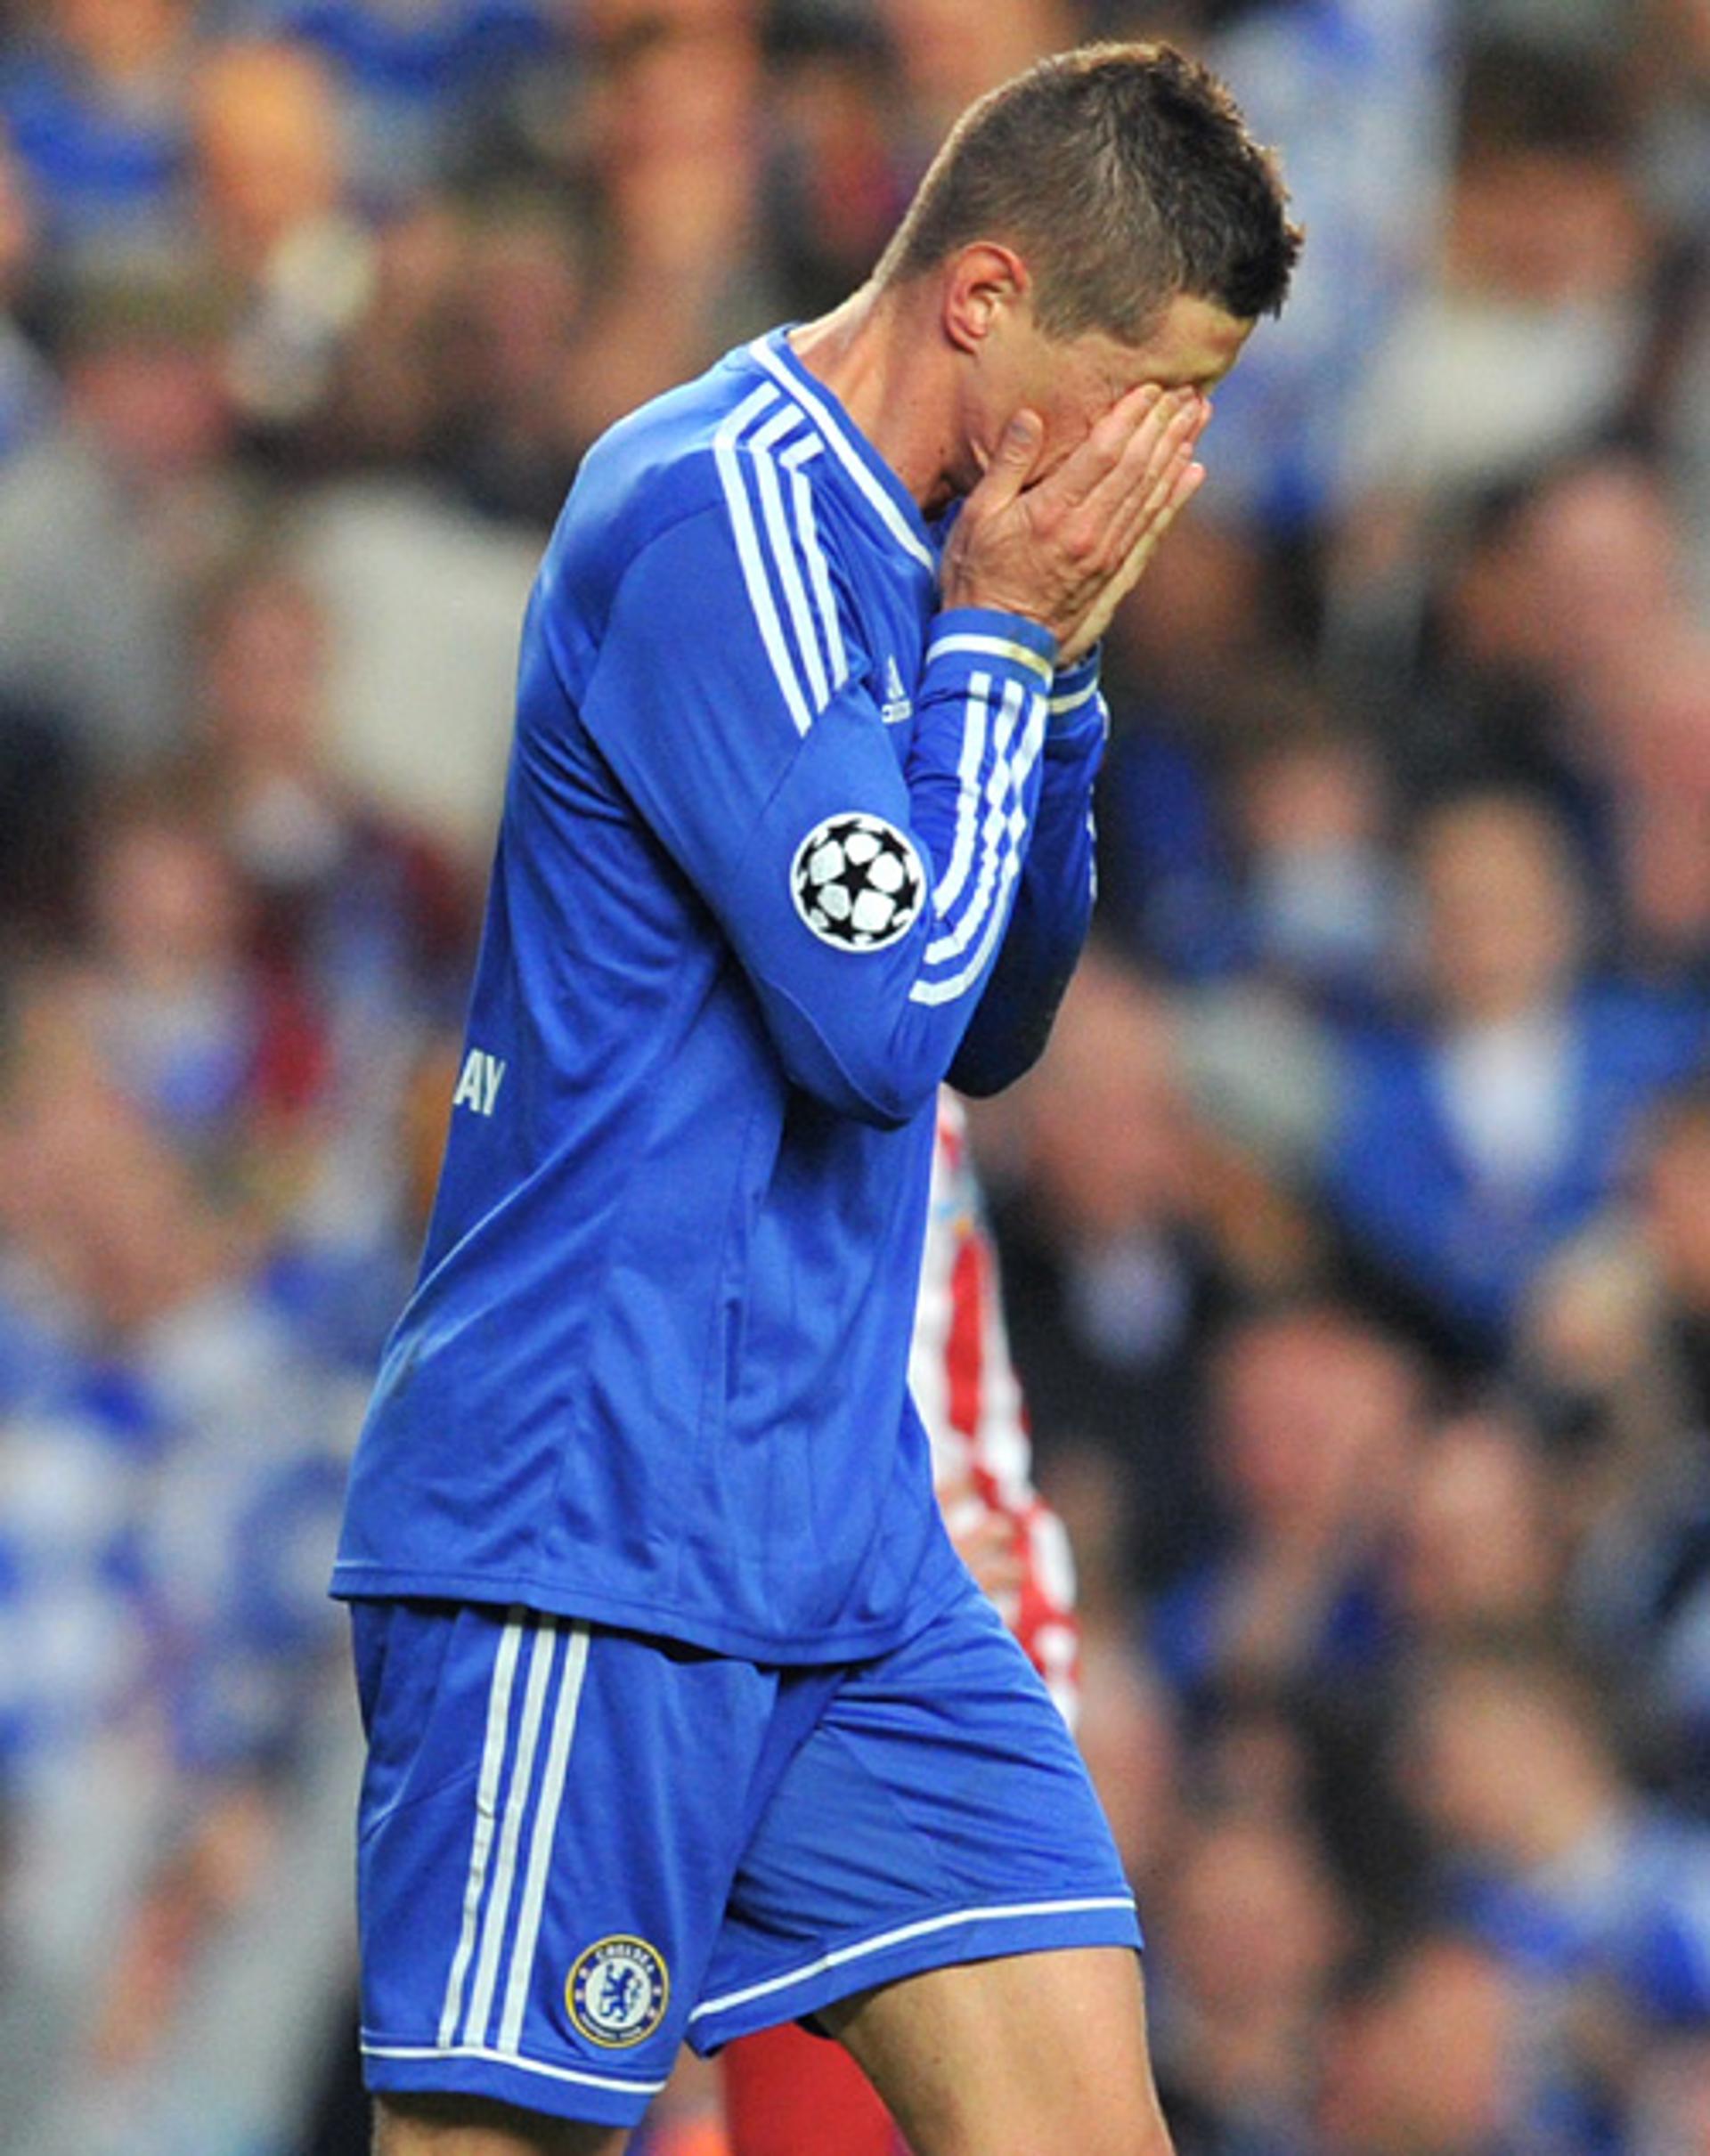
x=578, y=1846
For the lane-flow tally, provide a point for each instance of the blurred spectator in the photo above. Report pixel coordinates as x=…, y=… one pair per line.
x=220, y=1056
x=1596, y=1901
x=422, y=599
x=1480, y=1546
x=95, y=105
x=1534, y=339
x=1426, y=2055
x=1313, y=1424
x=1566, y=616
x=1250, y=1930
x=1322, y=896
x=1575, y=571
x=110, y=518
x=360, y=910
x=416, y=78
x=1615, y=1347
x=1605, y=543
x=272, y=189
x=508, y=337
x=1110, y=1280
x=385, y=394
x=675, y=145
x=1527, y=341
x=1248, y=828
x=1472, y=1143
x=1631, y=655
x=169, y=1476
x=834, y=189
x=1570, y=658
x=950, y=52
x=1358, y=90
x=355, y=933
x=1193, y=676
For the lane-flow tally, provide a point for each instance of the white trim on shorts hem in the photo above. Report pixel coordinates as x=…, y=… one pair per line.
x=508, y=2058
x=838, y=1955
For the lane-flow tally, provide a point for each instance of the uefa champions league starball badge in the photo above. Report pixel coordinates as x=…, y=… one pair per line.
x=616, y=1991
x=857, y=882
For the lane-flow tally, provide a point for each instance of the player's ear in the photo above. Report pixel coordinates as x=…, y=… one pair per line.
x=982, y=282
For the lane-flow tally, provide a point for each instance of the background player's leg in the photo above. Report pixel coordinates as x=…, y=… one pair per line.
x=1037, y=2054
x=787, y=2094
x=476, y=2126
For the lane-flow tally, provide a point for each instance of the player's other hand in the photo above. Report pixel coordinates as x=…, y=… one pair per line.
x=1066, y=547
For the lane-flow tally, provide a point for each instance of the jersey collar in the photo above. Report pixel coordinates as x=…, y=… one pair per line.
x=884, y=495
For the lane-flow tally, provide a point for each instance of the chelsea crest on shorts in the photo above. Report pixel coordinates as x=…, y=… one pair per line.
x=617, y=1991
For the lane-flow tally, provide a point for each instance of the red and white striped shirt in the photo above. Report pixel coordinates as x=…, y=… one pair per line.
x=966, y=1387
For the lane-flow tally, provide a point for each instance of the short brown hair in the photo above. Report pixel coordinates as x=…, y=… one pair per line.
x=1125, y=175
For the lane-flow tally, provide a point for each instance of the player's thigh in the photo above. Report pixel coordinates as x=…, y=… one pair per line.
x=421, y=2125
x=1033, y=2055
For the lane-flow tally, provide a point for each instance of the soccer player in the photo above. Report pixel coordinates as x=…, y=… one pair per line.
x=684, y=1718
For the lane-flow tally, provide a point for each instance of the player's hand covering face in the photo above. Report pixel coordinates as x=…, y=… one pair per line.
x=1065, y=547
x=1072, y=507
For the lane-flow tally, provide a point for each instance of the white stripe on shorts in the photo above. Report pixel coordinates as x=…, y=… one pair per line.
x=487, y=1901
x=510, y=1833
x=839, y=1956
x=542, y=1835
x=486, y=1809
x=508, y=2058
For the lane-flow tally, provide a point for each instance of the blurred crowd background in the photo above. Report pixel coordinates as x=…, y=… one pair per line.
x=1356, y=1230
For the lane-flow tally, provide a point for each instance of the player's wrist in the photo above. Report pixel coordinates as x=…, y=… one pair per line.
x=1077, y=723
x=993, y=635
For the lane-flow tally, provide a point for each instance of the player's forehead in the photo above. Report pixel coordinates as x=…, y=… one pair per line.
x=1193, y=345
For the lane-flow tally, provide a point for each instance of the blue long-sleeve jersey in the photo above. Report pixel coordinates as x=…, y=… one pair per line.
x=782, y=845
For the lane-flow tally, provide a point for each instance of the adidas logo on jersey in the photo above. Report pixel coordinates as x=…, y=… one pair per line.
x=898, y=704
